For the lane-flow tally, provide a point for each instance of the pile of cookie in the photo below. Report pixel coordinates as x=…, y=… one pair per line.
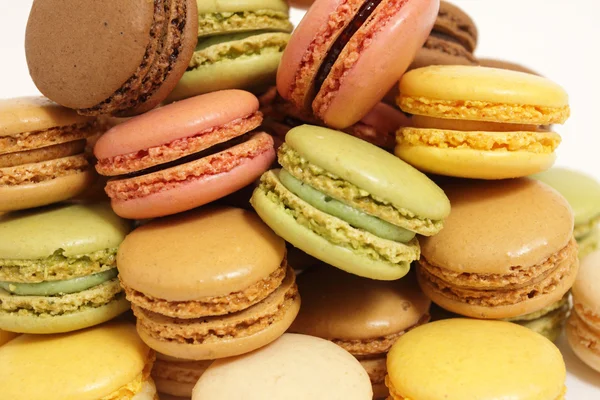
x=208, y=203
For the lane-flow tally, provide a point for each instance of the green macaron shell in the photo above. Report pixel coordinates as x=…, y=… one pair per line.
x=59, y=287
x=231, y=6
x=75, y=229
x=354, y=217
x=589, y=243
x=548, y=325
x=581, y=191
x=365, y=177
x=329, y=238
x=244, y=60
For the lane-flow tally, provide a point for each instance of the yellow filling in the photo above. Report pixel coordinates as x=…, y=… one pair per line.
x=421, y=121
x=484, y=111
x=134, y=387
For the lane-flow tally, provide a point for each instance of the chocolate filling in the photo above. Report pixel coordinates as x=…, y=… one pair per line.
x=192, y=157
x=360, y=18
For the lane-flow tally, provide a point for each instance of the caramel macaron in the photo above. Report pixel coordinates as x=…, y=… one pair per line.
x=363, y=316
x=506, y=250
x=206, y=284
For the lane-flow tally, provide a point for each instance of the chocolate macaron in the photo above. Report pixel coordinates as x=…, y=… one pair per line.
x=363, y=316
x=206, y=284
x=110, y=56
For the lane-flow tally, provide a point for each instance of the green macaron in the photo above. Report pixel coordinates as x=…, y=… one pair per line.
x=58, y=268
x=240, y=44
x=349, y=203
x=583, y=194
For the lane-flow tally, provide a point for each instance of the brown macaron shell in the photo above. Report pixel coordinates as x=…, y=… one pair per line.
x=128, y=55
x=455, y=22
x=502, y=64
x=507, y=249
x=177, y=377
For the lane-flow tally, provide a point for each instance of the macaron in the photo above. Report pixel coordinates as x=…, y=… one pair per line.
x=344, y=56
x=42, y=158
x=58, y=268
x=503, y=64
x=240, y=44
x=349, y=203
x=583, y=194
x=6, y=336
x=365, y=317
x=452, y=40
x=583, y=328
x=184, y=155
x=127, y=55
x=474, y=359
x=105, y=362
x=294, y=367
x=506, y=250
x=477, y=122
x=175, y=377
x=206, y=284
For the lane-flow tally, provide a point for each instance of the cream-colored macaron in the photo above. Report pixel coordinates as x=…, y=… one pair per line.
x=294, y=367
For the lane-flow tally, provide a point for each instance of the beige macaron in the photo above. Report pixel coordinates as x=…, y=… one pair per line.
x=209, y=283
x=363, y=316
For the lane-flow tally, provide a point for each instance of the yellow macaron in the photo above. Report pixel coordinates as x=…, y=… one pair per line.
x=108, y=362
x=458, y=359
x=478, y=122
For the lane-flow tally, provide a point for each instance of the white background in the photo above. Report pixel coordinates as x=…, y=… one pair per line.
x=558, y=38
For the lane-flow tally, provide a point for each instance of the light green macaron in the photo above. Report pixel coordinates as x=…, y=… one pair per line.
x=58, y=268
x=240, y=44
x=349, y=203
x=583, y=194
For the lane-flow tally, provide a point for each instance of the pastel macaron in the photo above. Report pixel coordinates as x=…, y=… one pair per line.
x=58, y=268
x=110, y=57
x=583, y=327
x=240, y=44
x=176, y=377
x=583, y=194
x=341, y=48
x=210, y=283
x=507, y=250
x=184, y=155
x=294, y=367
x=42, y=158
x=477, y=122
x=104, y=362
x=474, y=359
x=349, y=203
x=363, y=316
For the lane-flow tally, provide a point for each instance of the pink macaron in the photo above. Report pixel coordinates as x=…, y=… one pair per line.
x=346, y=54
x=184, y=155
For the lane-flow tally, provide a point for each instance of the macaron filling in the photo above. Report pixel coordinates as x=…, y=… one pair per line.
x=51, y=288
x=354, y=217
x=48, y=137
x=141, y=385
x=351, y=195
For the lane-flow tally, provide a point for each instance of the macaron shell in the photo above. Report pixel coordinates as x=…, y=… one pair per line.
x=282, y=370
x=76, y=228
x=371, y=169
x=476, y=359
x=30, y=114
x=21, y=197
x=393, y=41
x=584, y=341
x=503, y=64
x=474, y=164
x=585, y=291
x=530, y=222
x=232, y=6
x=6, y=336
x=453, y=21
x=214, y=251
x=34, y=367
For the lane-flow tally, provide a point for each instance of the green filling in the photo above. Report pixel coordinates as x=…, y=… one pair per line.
x=59, y=287
x=354, y=217
x=336, y=230
x=57, y=266
x=236, y=45
x=549, y=325
x=226, y=22
x=352, y=195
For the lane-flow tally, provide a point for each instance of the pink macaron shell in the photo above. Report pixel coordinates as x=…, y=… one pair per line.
x=380, y=65
x=175, y=121
x=312, y=23
x=194, y=193
x=386, y=118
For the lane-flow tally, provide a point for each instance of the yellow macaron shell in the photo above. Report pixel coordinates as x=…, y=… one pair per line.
x=434, y=90
x=6, y=336
x=30, y=114
x=474, y=359
x=89, y=364
x=213, y=251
